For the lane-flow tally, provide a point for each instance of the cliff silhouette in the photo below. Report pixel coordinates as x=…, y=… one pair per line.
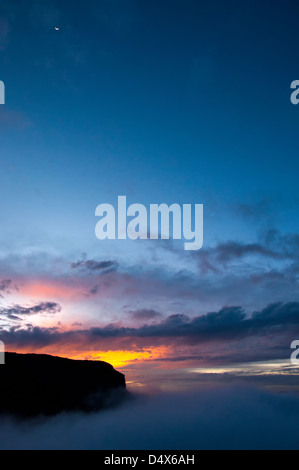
x=33, y=385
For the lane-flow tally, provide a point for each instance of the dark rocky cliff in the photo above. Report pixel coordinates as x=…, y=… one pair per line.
x=32, y=385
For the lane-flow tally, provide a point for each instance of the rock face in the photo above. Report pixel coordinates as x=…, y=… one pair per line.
x=32, y=385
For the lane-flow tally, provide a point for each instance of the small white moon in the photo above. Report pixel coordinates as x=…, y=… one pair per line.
x=57, y=29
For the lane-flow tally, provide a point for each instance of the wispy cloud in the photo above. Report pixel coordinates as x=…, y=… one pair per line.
x=145, y=314
x=5, y=286
x=17, y=312
x=93, y=265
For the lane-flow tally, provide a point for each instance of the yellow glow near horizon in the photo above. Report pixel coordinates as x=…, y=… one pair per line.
x=121, y=358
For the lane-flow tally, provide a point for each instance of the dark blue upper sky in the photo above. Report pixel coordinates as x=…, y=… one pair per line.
x=162, y=101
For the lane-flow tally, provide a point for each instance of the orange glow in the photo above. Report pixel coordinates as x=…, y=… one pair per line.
x=115, y=358
x=123, y=358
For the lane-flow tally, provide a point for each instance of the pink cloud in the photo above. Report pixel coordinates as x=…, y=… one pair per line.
x=42, y=289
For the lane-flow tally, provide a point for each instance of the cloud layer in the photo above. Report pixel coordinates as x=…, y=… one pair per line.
x=227, y=336
x=238, y=417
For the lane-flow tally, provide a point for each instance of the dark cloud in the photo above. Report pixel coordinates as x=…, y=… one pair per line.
x=281, y=252
x=231, y=251
x=92, y=265
x=94, y=290
x=5, y=286
x=214, y=259
x=257, y=211
x=144, y=314
x=16, y=312
x=230, y=324
x=287, y=245
x=277, y=315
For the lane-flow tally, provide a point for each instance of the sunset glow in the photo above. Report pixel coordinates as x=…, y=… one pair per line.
x=123, y=358
x=149, y=217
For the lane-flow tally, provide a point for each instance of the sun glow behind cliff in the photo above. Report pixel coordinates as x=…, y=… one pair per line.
x=124, y=358
x=118, y=358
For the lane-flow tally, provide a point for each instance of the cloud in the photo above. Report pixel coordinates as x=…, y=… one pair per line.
x=144, y=314
x=235, y=417
x=224, y=336
x=92, y=265
x=16, y=312
x=277, y=315
x=231, y=273
x=214, y=259
x=259, y=210
x=272, y=263
x=228, y=323
x=5, y=286
x=231, y=251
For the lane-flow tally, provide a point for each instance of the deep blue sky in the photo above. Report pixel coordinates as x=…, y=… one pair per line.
x=162, y=101
x=184, y=101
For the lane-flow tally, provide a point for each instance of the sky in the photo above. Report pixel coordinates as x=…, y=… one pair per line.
x=163, y=102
